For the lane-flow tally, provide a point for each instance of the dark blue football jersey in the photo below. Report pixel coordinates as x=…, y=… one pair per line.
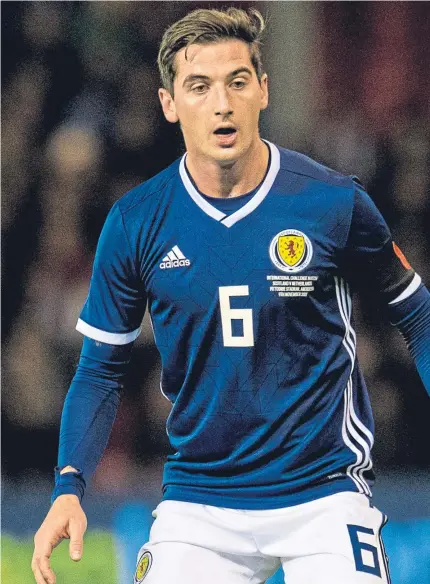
x=251, y=311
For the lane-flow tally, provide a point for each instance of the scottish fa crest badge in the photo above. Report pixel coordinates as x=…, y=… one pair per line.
x=143, y=567
x=291, y=250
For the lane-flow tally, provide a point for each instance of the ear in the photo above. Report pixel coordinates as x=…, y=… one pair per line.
x=168, y=105
x=264, y=87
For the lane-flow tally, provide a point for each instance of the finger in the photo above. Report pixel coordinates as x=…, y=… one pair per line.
x=41, y=555
x=45, y=568
x=76, y=546
x=39, y=577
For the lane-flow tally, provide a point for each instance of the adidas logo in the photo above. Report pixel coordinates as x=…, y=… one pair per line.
x=174, y=259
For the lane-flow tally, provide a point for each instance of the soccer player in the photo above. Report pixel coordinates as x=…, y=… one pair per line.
x=245, y=254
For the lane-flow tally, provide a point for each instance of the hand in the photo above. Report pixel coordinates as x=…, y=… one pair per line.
x=65, y=520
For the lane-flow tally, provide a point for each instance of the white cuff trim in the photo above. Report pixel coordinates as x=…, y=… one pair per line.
x=413, y=286
x=104, y=337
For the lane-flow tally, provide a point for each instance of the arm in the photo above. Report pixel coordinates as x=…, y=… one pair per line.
x=411, y=315
x=88, y=416
x=89, y=413
x=378, y=263
x=110, y=321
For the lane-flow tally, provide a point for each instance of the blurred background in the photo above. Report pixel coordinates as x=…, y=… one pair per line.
x=81, y=125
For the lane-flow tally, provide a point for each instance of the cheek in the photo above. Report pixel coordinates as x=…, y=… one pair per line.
x=192, y=117
x=251, y=104
x=252, y=112
x=194, y=125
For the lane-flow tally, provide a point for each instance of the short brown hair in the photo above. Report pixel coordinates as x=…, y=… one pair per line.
x=204, y=26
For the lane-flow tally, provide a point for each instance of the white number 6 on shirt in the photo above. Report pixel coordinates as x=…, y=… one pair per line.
x=228, y=314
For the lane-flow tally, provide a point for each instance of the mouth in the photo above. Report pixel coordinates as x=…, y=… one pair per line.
x=226, y=136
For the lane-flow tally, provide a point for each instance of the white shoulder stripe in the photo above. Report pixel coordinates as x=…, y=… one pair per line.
x=354, y=476
x=354, y=432
x=104, y=337
x=413, y=286
x=348, y=342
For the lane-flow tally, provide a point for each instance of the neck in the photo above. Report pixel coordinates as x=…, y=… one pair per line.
x=230, y=179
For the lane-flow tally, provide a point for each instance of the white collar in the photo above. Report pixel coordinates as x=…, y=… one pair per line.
x=251, y=205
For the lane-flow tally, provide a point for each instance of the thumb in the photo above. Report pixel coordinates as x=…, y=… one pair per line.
x=76, y=545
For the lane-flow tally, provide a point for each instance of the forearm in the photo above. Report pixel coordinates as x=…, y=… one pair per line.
x=88, y=414
x=412, y=317
x=86, y=423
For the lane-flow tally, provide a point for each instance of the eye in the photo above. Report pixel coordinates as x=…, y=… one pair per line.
x=238, y=83
x=201, y=88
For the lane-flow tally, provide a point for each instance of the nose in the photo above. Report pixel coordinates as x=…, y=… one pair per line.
x=222, y=103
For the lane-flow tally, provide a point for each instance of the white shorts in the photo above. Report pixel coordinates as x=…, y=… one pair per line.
x=333, y=540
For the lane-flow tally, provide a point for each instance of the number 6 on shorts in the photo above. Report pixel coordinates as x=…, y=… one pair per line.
x=365, y=554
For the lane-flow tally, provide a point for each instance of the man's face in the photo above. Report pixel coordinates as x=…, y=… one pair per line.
x=217, y=100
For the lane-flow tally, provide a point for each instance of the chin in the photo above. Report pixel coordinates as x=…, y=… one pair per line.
x=227, y=155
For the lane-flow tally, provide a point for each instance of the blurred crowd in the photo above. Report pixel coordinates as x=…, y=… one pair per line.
x=82, y=125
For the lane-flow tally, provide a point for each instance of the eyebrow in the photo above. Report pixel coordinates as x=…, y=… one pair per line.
x=190, y=78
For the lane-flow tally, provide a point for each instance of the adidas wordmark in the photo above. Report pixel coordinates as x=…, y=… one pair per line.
x=174, y=259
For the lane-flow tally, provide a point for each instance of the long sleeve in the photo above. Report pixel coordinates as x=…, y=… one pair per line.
x=89, y=412
x=411, y=315
x=377, y=266
x=110, y=321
